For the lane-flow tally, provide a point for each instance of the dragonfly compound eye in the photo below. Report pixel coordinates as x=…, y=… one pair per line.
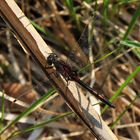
x=51, y=58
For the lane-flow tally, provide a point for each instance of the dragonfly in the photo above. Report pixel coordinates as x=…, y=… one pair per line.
x=70, y=74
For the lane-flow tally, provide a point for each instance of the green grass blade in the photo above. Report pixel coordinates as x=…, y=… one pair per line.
x=127, y=2
x=41, y=29
x=30, y=109
x=124, y=111
x=119, y=91
x=72, y=10
x=99, y=60
x=40, y=125
x=133, y=44
x=130, y=43
x=105, y=11
x=132, y=23
x=88, y=1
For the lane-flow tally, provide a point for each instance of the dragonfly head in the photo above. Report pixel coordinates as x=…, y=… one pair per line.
x=51, y=58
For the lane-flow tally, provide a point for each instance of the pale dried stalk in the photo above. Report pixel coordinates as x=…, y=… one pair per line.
x=37, y=48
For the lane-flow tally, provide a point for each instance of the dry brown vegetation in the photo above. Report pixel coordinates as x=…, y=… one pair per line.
x=88, y=36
